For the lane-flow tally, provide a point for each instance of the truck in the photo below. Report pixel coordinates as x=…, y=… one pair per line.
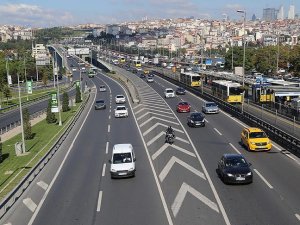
x=155, y=61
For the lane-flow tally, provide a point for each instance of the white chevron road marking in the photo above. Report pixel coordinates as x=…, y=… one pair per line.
x=149, y=109
x=42, y=184
x=185, y=188
x=171, y=163
x=165, y=146
x=154, y=113
x=154, y=117
x=160, y=124
x=29, y=204
x=163, y=134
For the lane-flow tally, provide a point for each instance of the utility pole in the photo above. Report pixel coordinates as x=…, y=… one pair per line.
x=244, y=40
x=58, y=104
x=21, y=116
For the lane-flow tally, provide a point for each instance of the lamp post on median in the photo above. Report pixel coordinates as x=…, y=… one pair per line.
x=21, y=115
x=244, y=42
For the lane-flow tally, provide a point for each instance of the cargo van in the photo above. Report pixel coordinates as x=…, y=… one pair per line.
x=122, y=162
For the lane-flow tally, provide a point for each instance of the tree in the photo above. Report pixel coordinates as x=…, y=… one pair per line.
x=65, y=102
x=45, y=79
x=6, y=92
x=78, y=95
x=0, y=150
x=50, y=118
x=27, y=125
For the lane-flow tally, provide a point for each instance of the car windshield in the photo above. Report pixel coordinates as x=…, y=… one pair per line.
x=197, y=117
x=121, y=108
x=233, y=162
x=122, y=158
x=99, y=101
x=211, y=104
x=257, y=135
x=169, y=91
x=120, y=96
x=102, y=86
x=183, y=103
x=180, y=89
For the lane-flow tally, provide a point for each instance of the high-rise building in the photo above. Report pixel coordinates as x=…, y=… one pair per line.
x=253, y=17
x=280, y=15
x=269, y=14
x=291, y=13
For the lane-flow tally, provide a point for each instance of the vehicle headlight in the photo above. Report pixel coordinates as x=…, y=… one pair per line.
x=203, y=121
x=131, y=169
x=192, y=121
x=229, y=175
x=269, y=142
x=113, y=170
x=249, y=174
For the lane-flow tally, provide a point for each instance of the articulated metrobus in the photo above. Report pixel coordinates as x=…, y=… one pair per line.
x=122, y=59
x=190, y=79
x=228, y=91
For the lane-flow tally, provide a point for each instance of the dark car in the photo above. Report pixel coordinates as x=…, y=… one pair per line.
x=151, y=74
x=100, y=104
x=233, y=168
x=142, y=75
x=196, y=119
x=180, y=91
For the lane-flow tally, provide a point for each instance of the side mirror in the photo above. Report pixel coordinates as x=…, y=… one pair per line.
x=109, y=161
x=134, y=159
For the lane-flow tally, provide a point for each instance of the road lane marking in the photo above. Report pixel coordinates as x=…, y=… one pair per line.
x=154, y=117
x=108, y=128
x=181, y=196
x=99, y=201
x=42, y=184
x=31, y=221
x=297, y=216
x=109, y=117
x=181, y=139
x=29, y=204
x=264, y=180
x=218, y=131
x=158, y=114
x=110, y=110
x=171, y=163
x=235, y=149
x=160, y=124
x=106, y=149
x=166, y=145
x=135, y=107
x=148, y=108
x=103, y=169
x=8, y=224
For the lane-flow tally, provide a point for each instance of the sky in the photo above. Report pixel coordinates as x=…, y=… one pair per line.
x=50, y=13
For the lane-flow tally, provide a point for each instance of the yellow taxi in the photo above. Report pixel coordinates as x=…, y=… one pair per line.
x=146, y=72
x=255, y=139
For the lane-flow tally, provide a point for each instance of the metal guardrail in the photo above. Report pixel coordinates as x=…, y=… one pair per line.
x=289, y=142
x=15, y=194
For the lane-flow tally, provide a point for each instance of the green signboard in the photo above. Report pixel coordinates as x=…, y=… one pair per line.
x=54, y=102
x=77, y=83
x=29, y=87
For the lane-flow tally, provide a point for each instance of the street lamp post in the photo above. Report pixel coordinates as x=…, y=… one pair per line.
x=21, y=115
x=244, y=40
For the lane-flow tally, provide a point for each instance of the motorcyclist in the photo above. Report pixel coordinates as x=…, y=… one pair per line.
x=170, y=131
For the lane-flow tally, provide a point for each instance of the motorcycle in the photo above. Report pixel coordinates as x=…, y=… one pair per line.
x=169, y=138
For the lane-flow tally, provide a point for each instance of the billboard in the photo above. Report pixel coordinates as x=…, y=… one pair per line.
x=54, y=102
x=29, y=86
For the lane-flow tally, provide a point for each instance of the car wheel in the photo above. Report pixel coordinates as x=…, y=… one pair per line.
x=242, y=143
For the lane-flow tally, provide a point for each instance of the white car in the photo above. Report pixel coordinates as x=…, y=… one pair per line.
x=122, y=162
x=121, y=111
x=102, y=88
x=120, y=99
x=150, y=79
x=169, y=93
x=74, y=69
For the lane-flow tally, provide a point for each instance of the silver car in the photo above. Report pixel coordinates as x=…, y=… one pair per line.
x=100, y=104
x=210, y=107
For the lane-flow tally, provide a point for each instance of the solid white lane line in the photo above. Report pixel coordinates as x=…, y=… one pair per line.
x=29, y=204
x=59, y=169
x=106, y=149
x=235, y=149
x=103, y=169
x=264, y=179
x=42, y=184
x=297, y=216
x=99, y=201
x=217, y=131
x=108, y=128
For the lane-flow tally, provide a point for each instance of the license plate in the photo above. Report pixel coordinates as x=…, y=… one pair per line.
x=121, y=174
x=240, y=178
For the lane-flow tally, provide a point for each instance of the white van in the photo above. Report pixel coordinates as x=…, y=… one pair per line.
x=122, y=163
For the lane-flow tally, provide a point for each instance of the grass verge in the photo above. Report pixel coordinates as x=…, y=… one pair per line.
x=14, y=168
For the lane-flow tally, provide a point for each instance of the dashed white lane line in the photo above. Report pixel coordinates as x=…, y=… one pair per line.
x=108, y=128
x=235, y=149
x=8, y=224
x=42, y=184
x=110, y=110
x=297, y=216
x=106, y=149
x=217, y=131
x=29, y=204
x=103, y=169
x=264, y=179
x=99, y=201
x=109, y=117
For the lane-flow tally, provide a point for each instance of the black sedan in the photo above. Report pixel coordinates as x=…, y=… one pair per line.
x=180, y=91
x=196, y=119
x=233, y=168
x=100, y=104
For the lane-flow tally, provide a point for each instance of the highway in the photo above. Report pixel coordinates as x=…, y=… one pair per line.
x=174, y=184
